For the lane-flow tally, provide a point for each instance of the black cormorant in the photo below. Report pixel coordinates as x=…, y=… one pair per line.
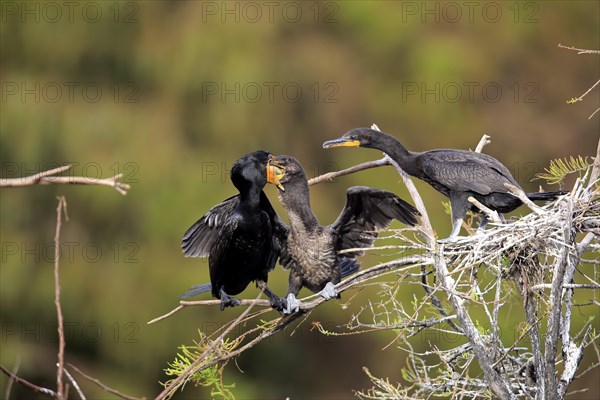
x=457, y=174
x=313, y=250
x=240, y=236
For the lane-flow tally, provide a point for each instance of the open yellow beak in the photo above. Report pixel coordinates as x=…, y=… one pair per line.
x=274, y=174
x=341, y=142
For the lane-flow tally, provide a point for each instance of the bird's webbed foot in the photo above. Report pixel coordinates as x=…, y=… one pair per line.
x=278, y=303
x=228, y=301
x=291, y=304
x=328, y=291
x=451, y=239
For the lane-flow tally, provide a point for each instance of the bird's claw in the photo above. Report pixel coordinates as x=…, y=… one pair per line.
x=451, y=239
x=328, y=291
x=291, y=304
x=227, y=301
x=278, y=303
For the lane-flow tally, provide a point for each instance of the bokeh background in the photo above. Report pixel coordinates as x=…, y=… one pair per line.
x=171, y=93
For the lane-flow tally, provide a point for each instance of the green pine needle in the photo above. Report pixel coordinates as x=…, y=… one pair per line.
x=211, y=377
x=560, y=168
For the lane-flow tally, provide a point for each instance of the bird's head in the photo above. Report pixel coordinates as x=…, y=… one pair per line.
x=284, y=169
x=250, y=169
x=357, y=137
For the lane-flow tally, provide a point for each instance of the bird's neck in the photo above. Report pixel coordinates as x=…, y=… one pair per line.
x=296, y=201
x=250, y=199
x=397, y=152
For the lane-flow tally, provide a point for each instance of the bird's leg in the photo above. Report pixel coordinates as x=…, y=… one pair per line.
x=328, y=291
x=228, y=301
x=482, y=225
x=291, y=303
x=459, y=205
x=276, y=301
x=483, y=222
x=456, y=224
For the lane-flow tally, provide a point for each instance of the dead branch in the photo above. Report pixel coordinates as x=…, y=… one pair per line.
x=102, y=385
x=492, y=214
x=360, y=167
x=579, y=51
x=27, y=384
x=580, y=98
x=523, y=197
x=181, y=379
x=485, y=140
x=354, y=280
x=48, y=178
x=62, y=206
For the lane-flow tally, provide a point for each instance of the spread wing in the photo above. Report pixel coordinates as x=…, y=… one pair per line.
x=465, y=171
x=368, y=210
x=200, y=237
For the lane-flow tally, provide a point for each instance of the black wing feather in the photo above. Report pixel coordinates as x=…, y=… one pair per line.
x=466, y=171
x=368, y=210
x=200, y=237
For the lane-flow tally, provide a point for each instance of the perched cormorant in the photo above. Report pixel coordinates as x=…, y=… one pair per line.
x=314, y=260
x=240, y=236
x=457, y=174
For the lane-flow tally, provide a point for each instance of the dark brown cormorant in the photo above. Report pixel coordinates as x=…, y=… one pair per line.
x=313, y=250
x=239, y=236
x=457, y=174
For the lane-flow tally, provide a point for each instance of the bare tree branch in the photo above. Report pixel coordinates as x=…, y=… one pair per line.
x=579, y=51
x=181, y=379
x=523, y=197
x=48, y=178
x=485, y=140
x=11, y=379
x=595, y=175
x=27, y=384
x=102, y=385
x=360, y=167
x=62, y=206
x=348, y=283
x=580, y=98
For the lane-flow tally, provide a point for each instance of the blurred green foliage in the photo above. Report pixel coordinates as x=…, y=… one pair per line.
x=171, y=93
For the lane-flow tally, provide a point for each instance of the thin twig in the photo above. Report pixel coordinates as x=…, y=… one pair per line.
x=11, y=379
x=354, y=280
x=75, y=385
x=580, y=98
x=48, y=178
x=485, y=140
x=523, y=197
x=62, y=206
x=27, y=384
x=360, y=167
x=32, y=179
x=492, y=214
x=579, y=51
x=189, y=370
x=183, y=304
x=543, y=286
x=102, y=385
x=595, y=175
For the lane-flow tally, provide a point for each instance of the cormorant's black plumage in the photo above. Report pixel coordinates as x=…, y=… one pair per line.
x=314, y=260
x=457, y=174
x=240, y=236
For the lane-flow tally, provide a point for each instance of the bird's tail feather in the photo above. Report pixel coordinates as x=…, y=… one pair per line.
x=545, y=196
x=196, y=289
x=348, y=266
